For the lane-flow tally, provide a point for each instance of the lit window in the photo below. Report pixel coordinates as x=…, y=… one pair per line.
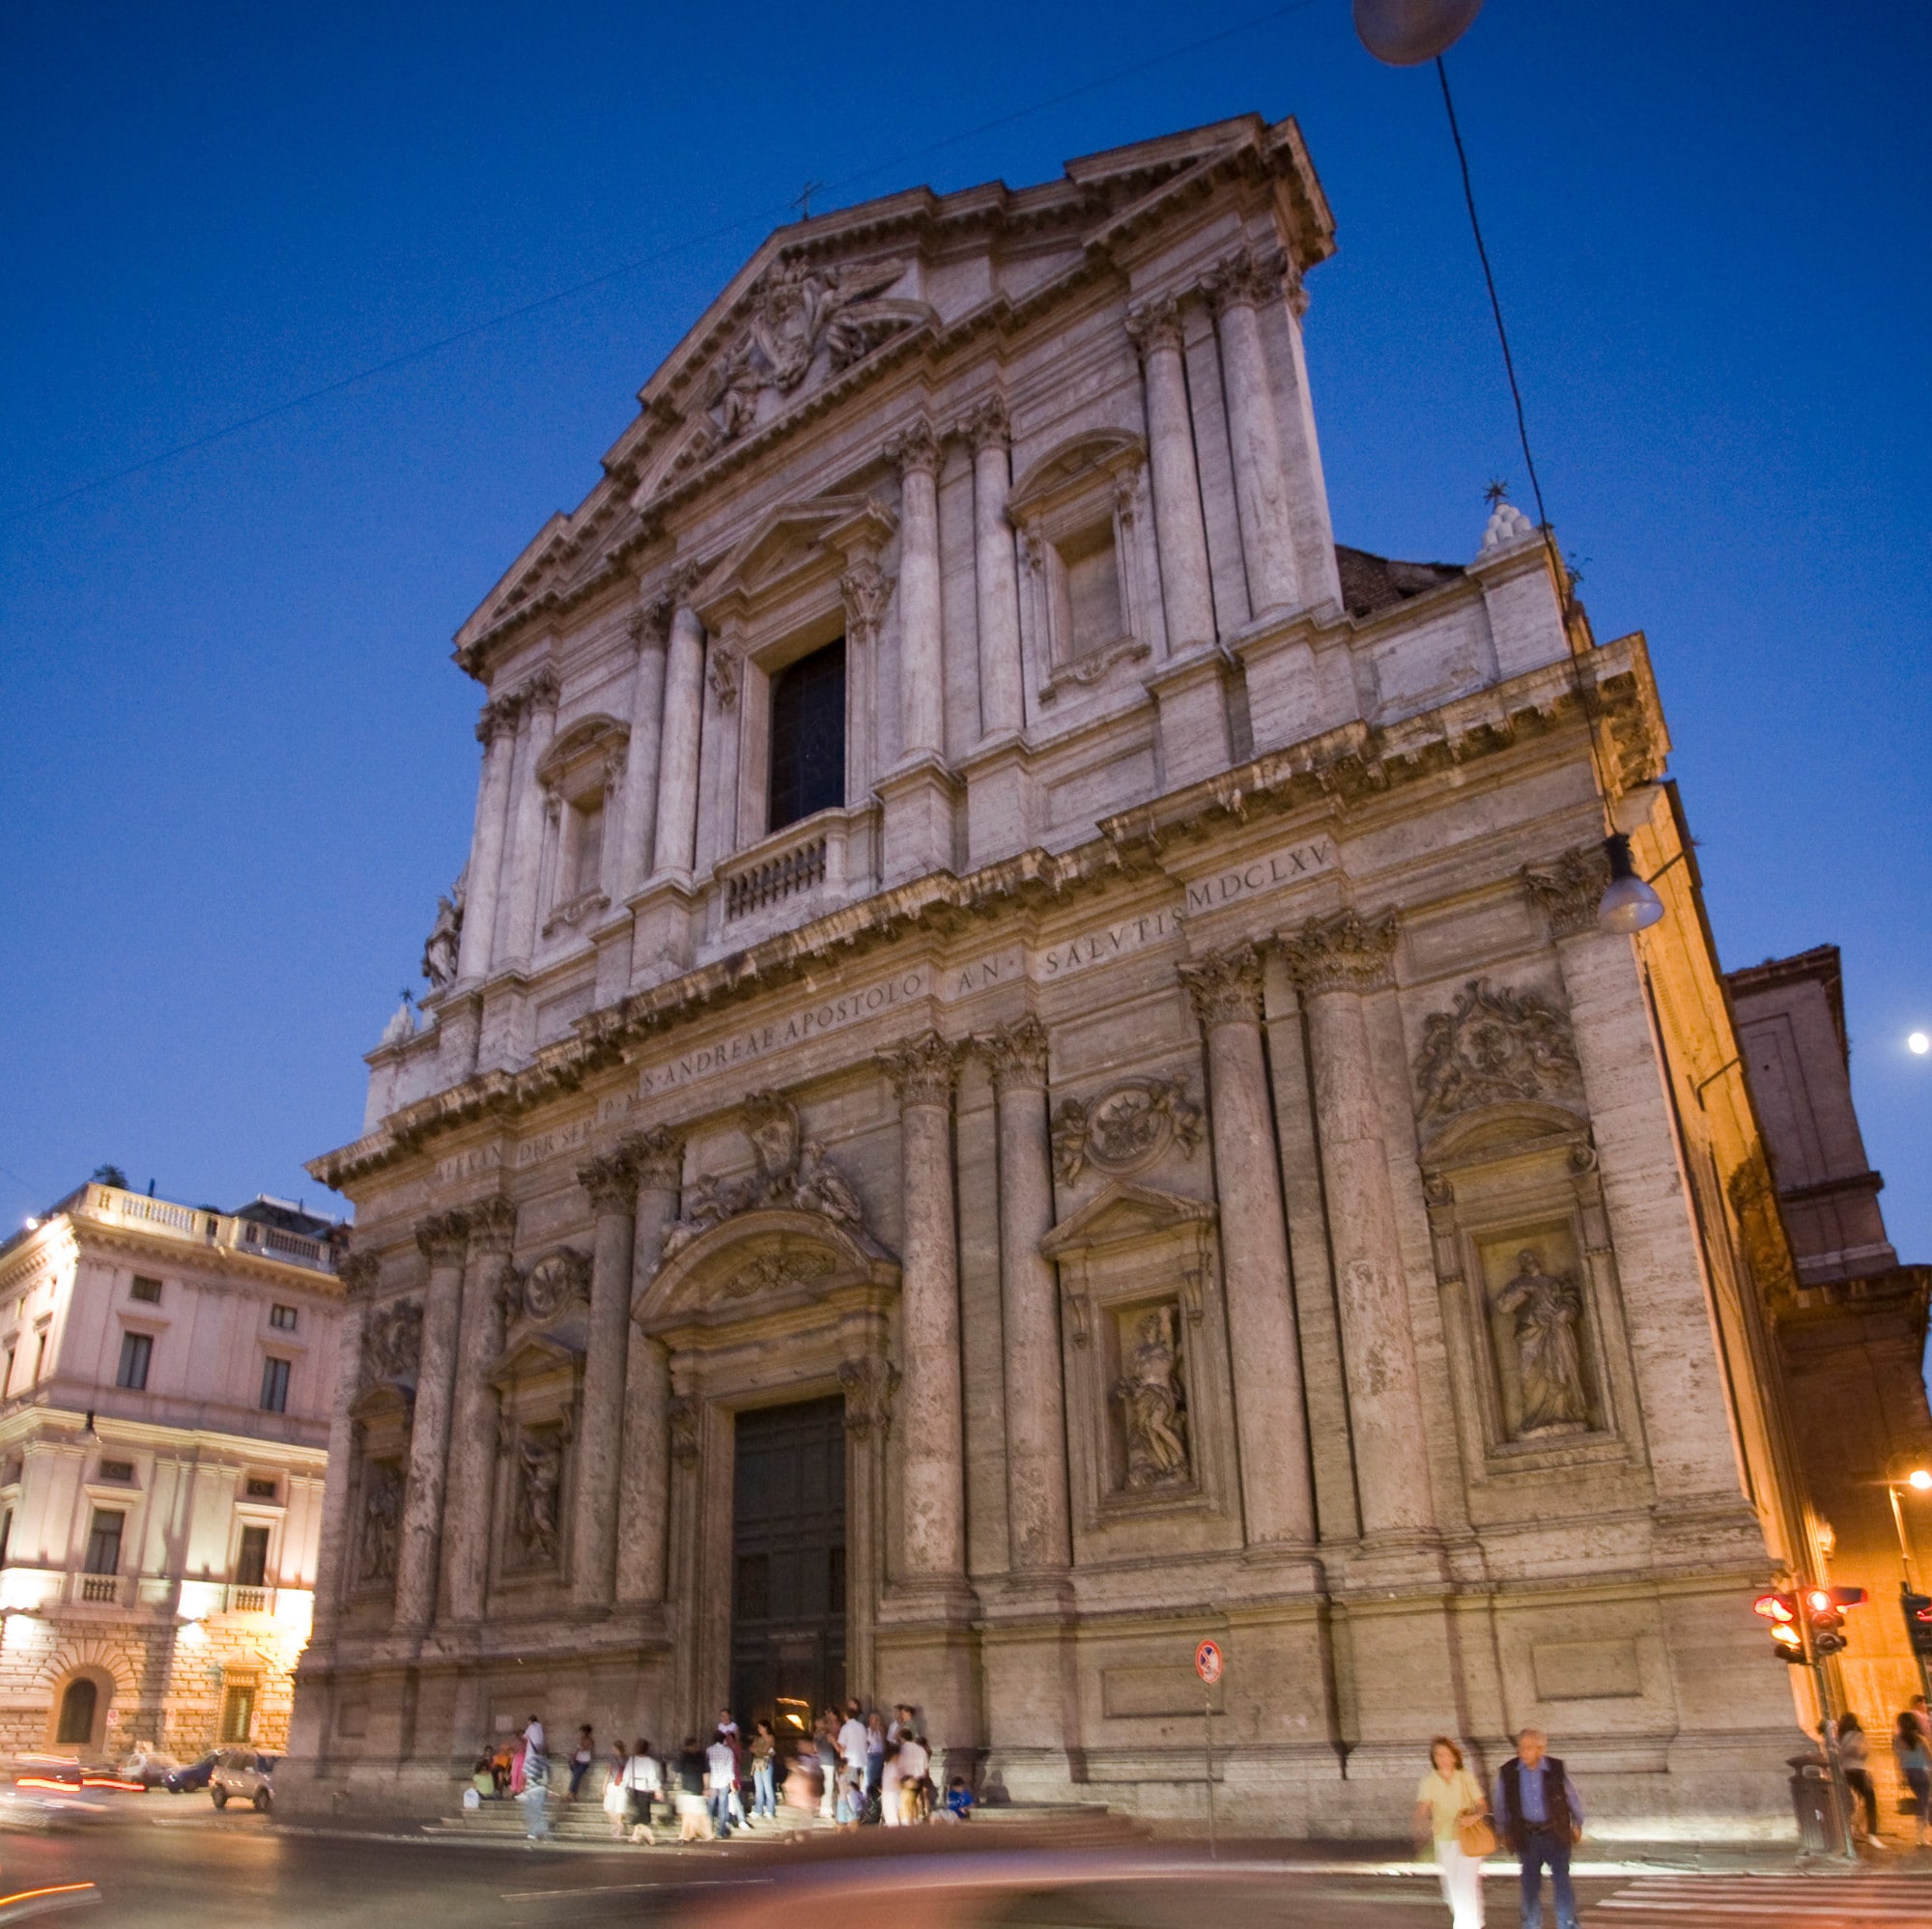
x=282, y=1317
x=138, y=1349
x=807, y=749
x=148, y=1290
x=238, y=1713
x=275, y=1385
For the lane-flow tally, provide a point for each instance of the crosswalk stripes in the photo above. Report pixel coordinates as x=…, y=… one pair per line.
x=1855, y=1901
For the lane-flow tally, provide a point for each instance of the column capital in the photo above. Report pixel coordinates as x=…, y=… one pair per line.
x=359, y=1274
x=1226, y=986
x=869, y=1383
x=1154, y=324
x=1016, y=1055
x=1340, y=953
x=540, y=692
x=445, y=1237
x=612, y=1181
x=914, y=449
x=923, y=1069
x=659, y=1156
x=493, y=1226
x=649, y=626
x=986, y=425
x=865, y=589
x=1247, y=279
x=499, y=717
x=1567, y=892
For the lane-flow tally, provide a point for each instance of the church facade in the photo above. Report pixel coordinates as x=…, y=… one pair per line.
x=1023, y=1074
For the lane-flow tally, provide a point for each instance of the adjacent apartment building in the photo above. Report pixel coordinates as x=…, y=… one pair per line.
x=168, y=1373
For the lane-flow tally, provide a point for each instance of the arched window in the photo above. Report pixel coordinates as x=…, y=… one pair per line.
x=76, y=1713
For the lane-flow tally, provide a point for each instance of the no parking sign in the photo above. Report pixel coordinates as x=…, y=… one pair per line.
x=1207, y=1662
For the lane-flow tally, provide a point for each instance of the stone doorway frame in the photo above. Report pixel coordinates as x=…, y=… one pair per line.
x=768, y=1308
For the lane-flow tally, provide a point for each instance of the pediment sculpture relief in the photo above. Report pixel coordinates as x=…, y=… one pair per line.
x=793, y=1173
x=392, y=1343
x=1123, y=1129
x=1495, y=1047
x=805, y=314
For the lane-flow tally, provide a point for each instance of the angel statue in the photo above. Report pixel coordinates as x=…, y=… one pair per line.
x=440, y=952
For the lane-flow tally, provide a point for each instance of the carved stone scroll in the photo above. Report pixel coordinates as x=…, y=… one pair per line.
x=1124, y=1130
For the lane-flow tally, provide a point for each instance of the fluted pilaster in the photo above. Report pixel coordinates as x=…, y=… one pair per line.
x=611, y=1184
x=473, y=1433
x=444, y=1240
x=644, y=1496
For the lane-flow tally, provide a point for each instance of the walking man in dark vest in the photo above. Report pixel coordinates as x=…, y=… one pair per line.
x=1540, y=1816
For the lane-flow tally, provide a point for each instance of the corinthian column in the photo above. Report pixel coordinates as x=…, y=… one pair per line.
x=1236, y=289
x=1277, y=1491
x=531, y=808
x=1180, y=532
x=612, y=1181
x=1037, y=1508
x=359, y=1274
x=677, y=757
x=996, y=579
x=1335, y=961
x=473, y=1431
x=443, y=1240
x=644, y=1497
x=633, y=834
x=496, y=732
x=923, y=1071
x=922, y=664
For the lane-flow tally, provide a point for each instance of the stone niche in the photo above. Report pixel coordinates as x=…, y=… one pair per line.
x=1147, y=1370
x=539, y=1384
x=382, y=1416
x=1530, y=1303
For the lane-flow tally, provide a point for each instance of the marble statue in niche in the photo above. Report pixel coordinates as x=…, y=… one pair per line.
x=539, y=1492
x=381, y=1514
x=1154, y=1406
x=1544, y=1312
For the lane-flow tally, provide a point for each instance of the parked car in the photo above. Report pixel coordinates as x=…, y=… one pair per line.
x=242, y=1774
x=182, y=1781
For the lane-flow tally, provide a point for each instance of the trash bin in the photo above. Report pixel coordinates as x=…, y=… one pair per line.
x=1820, y=1829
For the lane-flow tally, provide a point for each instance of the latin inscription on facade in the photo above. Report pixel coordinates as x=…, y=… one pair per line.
x=1272, y=870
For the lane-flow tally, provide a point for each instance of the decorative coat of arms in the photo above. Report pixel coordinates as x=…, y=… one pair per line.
x=803, y=310
x=1495, y=1047
x=1123, y=1129
x=550, y=1286
x=392, y=1343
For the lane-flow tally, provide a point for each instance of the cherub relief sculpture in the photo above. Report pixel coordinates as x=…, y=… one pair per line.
x=793, y=1171
x=381, y=1516
x=1152, y=1404
x=1545, y=1312
x=1495, y=1046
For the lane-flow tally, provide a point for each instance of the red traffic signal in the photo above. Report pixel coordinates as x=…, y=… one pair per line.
x=1825, y=1609
x=1918, y=1620
x=1787, y=1639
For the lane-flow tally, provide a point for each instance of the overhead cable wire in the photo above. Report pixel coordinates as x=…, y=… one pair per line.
x=766, y=218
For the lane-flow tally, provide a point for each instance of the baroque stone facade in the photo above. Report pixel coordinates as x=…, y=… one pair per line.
x=1166, y=1102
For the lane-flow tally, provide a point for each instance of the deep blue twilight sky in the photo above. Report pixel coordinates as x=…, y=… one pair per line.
x=238, y=764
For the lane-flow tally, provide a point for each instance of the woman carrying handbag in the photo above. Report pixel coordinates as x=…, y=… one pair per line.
x=1450, y=1811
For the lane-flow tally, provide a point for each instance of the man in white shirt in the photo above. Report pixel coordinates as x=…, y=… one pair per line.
x=852, y=1740
x=642, y=1782
x=720, y=1764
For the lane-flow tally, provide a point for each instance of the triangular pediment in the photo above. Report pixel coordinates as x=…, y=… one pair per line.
x=1121, y=1212
x=831, y=302
x=532, y=1356
x=385, y=1400
x=797, y=539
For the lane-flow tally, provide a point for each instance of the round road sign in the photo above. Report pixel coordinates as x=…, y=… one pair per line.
x=1207, y=1662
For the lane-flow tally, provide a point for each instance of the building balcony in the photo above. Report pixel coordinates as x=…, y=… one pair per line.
x=41, y=1592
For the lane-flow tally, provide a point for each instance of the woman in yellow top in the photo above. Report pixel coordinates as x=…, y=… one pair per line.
x=1448, y=1792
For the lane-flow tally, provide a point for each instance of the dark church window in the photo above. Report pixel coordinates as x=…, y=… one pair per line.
x=76, y=1713
x=808, y=735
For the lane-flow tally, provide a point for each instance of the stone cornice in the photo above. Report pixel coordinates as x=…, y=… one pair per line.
x=1356, y=765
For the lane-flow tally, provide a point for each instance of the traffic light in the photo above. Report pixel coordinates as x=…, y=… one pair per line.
x=1918, y=1620
x=1788, y=1639
x=1825, y=1609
